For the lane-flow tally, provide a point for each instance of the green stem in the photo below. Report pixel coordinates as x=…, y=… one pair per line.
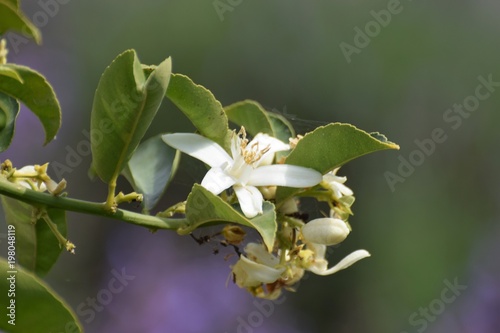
x=70, y=247
x=43, y=199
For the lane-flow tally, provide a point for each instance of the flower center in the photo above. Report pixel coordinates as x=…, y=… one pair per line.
x=252, y=153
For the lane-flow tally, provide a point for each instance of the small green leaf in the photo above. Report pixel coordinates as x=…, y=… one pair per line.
x=38, y=309
x=125, y=102
x=201, y=107
x=9, y=109
x=151, y=168
x=36, y=93
x=205, y=208
x=329, y=147
x=37, y=249
x=14, y=19
x=10, y=72
x=251, y=115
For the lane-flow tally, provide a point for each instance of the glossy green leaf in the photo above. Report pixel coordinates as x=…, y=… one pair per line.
x=331, y=146
x=38, y=309
x=201, y=107
x=151, y=168
x=9, y=109
x=251, y=115
x=37, y=249
x=125, y=103
x=13, y=19
x=10, y=72
x=37, y=94
x=205, y=208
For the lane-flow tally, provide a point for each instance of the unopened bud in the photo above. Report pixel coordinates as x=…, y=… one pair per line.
x=326, y=231
x=268, y=192
x=233, y=234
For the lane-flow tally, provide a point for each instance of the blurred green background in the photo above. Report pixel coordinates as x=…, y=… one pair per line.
x=439, y=225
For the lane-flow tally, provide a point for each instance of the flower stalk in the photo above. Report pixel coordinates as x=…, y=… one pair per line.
x=69, y=246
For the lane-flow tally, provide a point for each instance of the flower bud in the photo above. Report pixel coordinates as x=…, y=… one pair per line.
x=233, y=234
x=326, y=231
x=289, y=206
x=27, y=174
x=269, y=192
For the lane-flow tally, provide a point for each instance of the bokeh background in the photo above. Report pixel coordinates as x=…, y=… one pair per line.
x=438, y=226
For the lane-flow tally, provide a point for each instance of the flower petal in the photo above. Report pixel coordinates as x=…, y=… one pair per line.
x=318, y=249
x=329, y=178
x=343, y=264
x=266, y=140
x=258, y=253
x=28, y=171
x=198, y=147
x=250, y=200
x=275, y=145
x=251, y=274
x=343, y=189
x=284, y=175
x=216, y=180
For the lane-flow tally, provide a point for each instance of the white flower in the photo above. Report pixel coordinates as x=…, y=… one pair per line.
x=260, y=267
x=336, y=184
x=244, y=170
x=325, y=231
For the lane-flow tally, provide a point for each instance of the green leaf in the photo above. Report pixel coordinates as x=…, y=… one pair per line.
x=125, y=102
x=13, y=19
x=10, y=72
x=37, y=94
x=251, y=115
x=14, y=3
x=151, y=168
x=329, y=147
x=9, y=109
x=283, y=131
x=38, y=309
x=205, y=208
x=37, y=249
x=282, y=128
x=201, y=107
